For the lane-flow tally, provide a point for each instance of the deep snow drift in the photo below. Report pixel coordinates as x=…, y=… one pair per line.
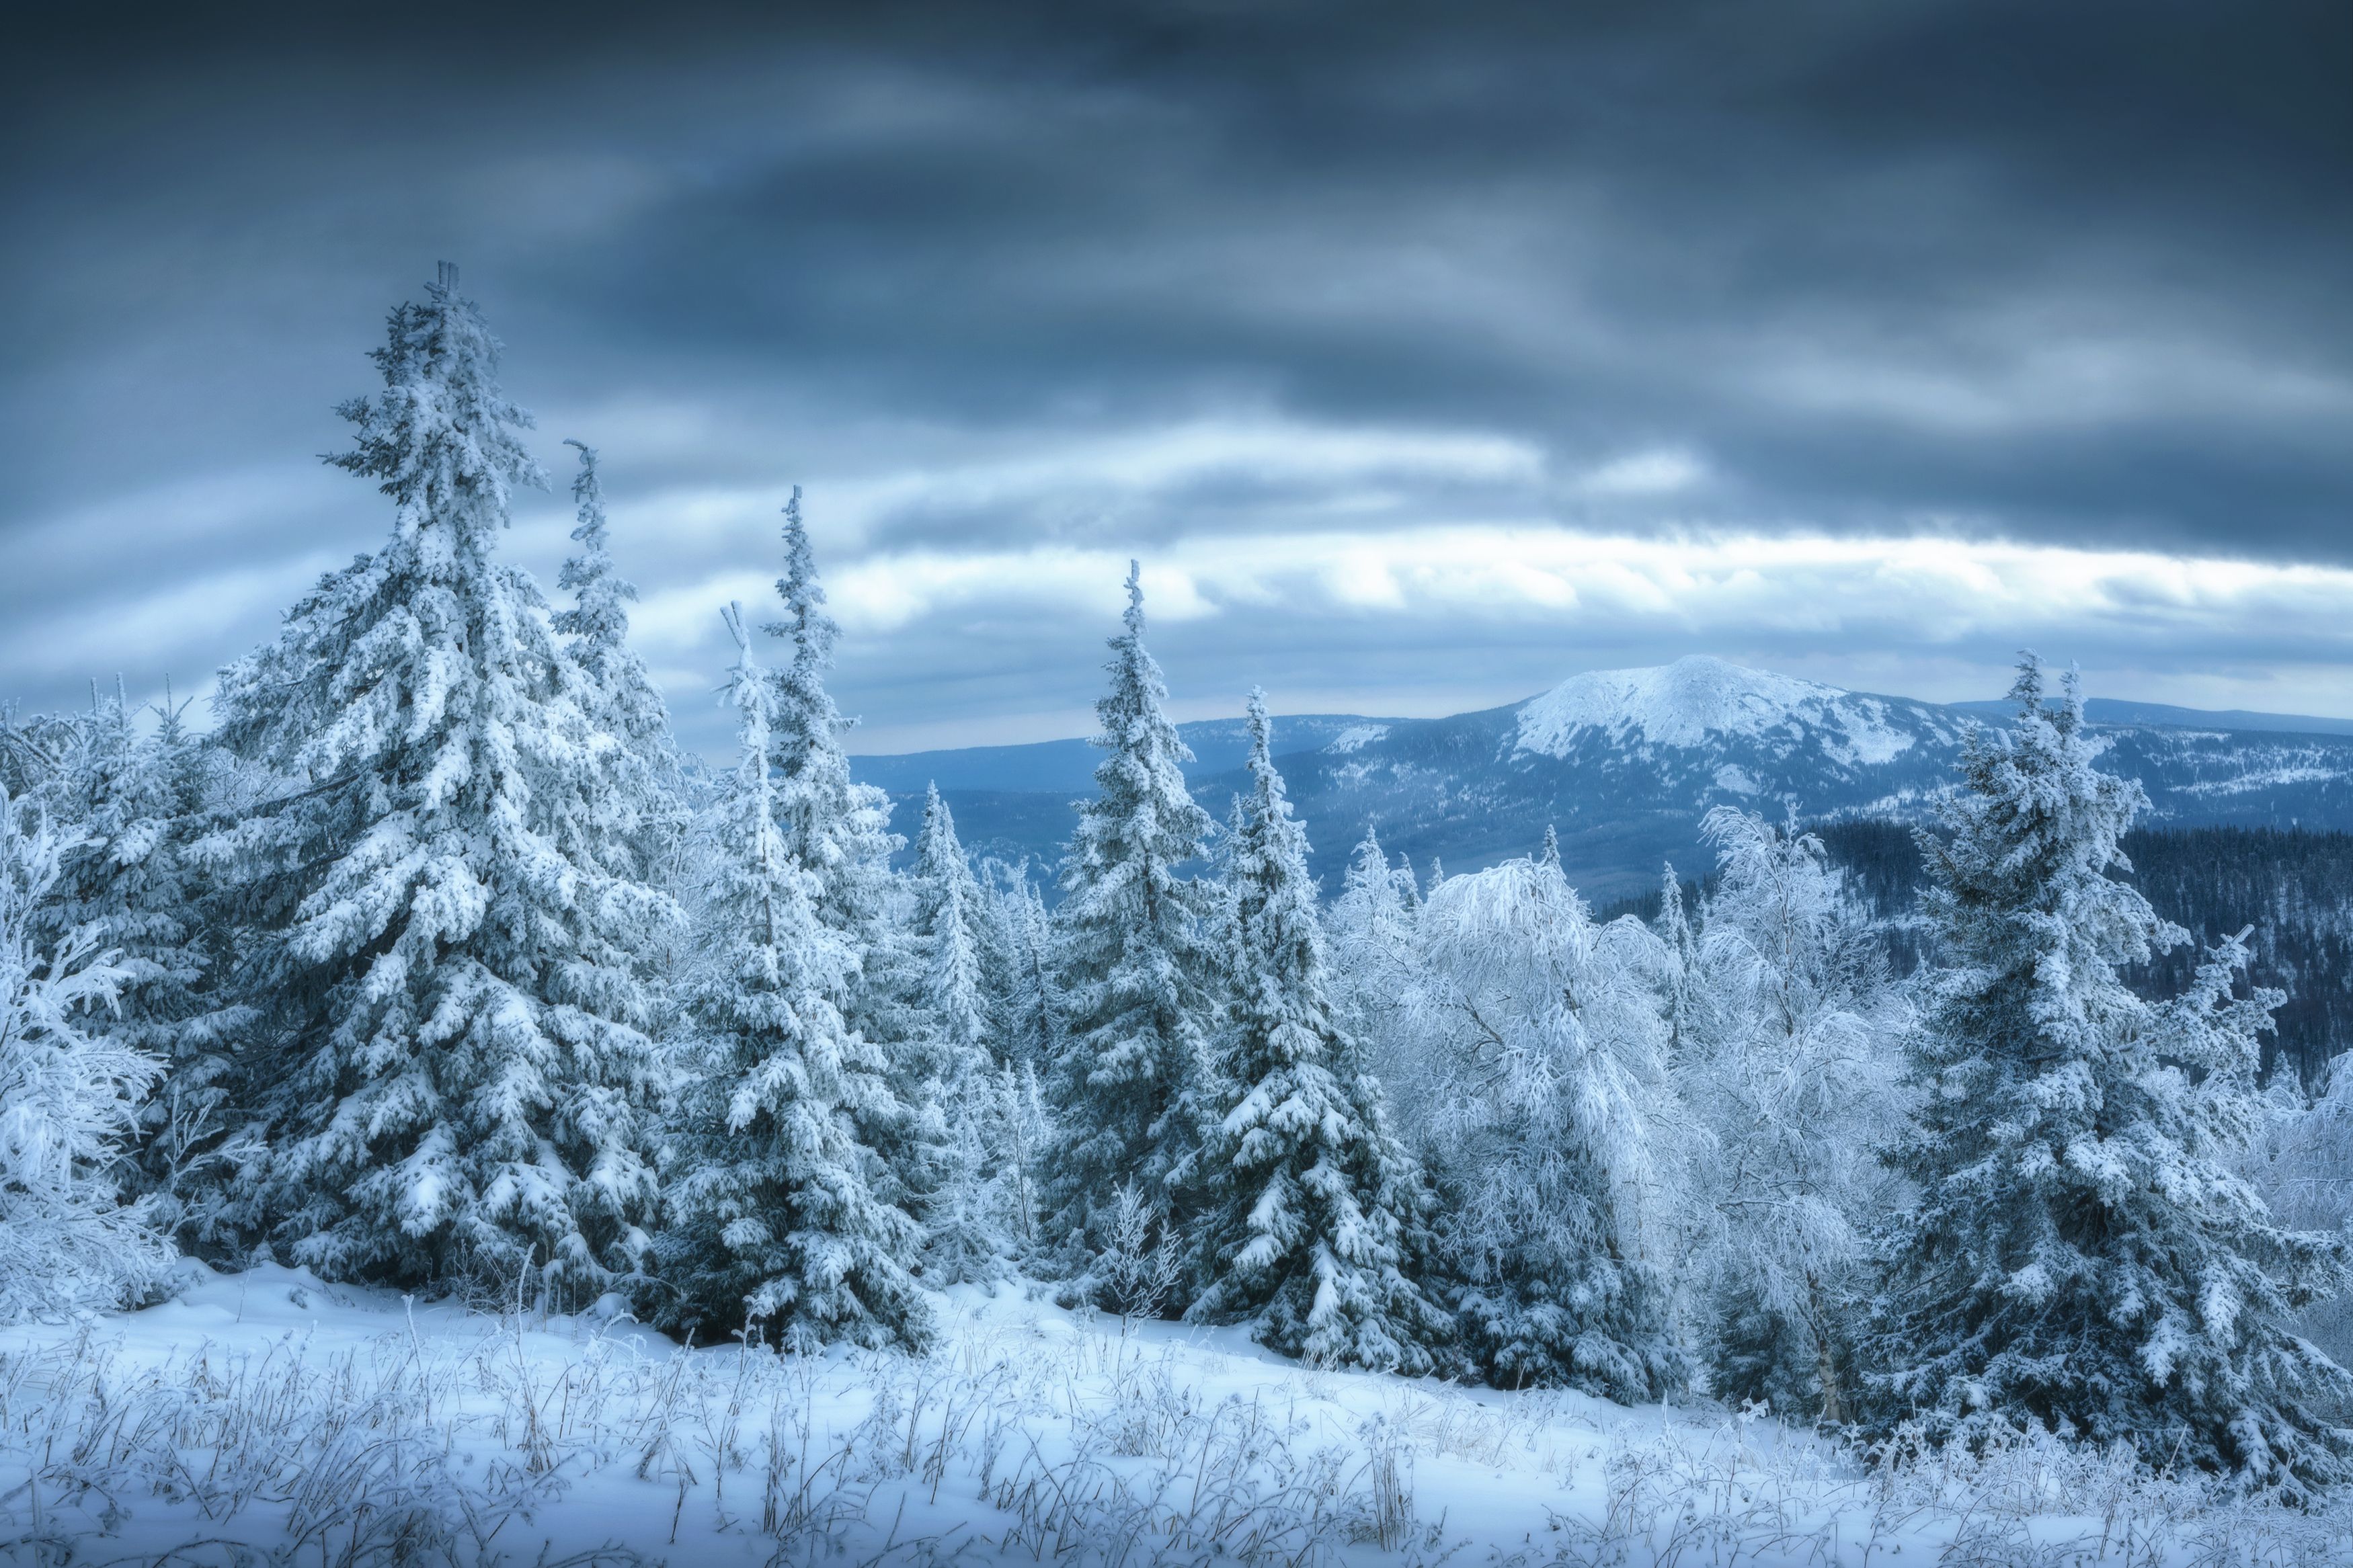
x=265, y=1417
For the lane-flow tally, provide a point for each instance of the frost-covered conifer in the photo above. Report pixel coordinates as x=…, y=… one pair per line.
x=948, y=918
x=964, y=1239
x=840, y=830
x=638, y=798
x=68, y=1104
x=1306, y=1197
x=2084, y=1251
x=1133, y=1087
x=772, y=1219
x=452, y=1069
x=1683, y=997
x=138, y=801
x=1029, y=1027
x=1375, y=947
x=1788, y=1028
x=1547, y=1123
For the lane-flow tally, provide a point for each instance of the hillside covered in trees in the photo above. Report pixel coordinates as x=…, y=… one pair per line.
x=432, y=968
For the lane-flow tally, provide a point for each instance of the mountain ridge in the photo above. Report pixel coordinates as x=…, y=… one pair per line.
x=1624, y=763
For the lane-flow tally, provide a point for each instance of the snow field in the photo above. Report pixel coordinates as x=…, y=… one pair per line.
x=265, y=1419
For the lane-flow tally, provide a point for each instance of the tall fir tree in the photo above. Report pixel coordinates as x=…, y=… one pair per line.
x=964, y=1240
x=948, y=916
x=2084, y=1251
x=451, y=1067
x=1681, y=942
x=1029, y=1031
x=1307, y=1198
x=774, y=1224
x=840, y=830
x=1376, y=960
x=1133, y=1086
x=628, y=725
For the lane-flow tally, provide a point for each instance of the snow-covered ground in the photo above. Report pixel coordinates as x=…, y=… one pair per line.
x=266, y=1418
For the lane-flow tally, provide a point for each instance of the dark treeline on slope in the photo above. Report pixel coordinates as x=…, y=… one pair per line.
x=432, y=967
x=2293, y=886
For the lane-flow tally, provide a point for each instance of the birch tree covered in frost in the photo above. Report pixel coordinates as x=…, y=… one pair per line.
x=69, y=1103
x=1550, y=1130
x=1131, y=1089
x=1307, y=1198
x=773, y=1221
x=2086, y=1252
x=451, y=1070
x=1789, y=1021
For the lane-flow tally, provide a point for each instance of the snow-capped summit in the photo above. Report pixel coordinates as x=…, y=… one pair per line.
x=1700, y=699
x=1625, y=765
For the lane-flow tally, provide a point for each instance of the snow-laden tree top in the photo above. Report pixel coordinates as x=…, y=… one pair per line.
x=440, y=437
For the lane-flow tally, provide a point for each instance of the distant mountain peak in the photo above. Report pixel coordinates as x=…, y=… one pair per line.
x=1703, y=700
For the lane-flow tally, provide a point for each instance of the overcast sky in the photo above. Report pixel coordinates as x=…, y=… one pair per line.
x=1426, y=355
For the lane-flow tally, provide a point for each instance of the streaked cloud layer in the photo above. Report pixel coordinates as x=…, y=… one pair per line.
x=1426, y=356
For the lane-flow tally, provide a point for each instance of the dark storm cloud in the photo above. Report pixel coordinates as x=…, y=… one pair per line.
x=2059, y=274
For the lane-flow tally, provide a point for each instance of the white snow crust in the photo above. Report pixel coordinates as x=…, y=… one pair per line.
x=1699, y=699
x=265, y=1417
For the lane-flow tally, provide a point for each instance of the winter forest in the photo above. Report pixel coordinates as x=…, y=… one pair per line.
x=441, y=1121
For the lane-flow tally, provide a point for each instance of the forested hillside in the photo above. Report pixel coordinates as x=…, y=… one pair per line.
x=432, y=968
x=1622, y=766
x=2293, y=886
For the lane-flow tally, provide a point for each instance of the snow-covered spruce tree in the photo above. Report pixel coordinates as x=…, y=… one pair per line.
x=964, y=1238
x=772, y=1222
x=840, y=830
x=1683, y=1002
x=1788, y=1038
x=641, y=811
x=948, y=916
x=1025, y=1031
x=1375, y=939
x=1133, y=1088
x=68, y=1104
x=2084, y=1252
x=1549, y=1129
x=1306, y=1197
x=451, y=1068
x=137, y=801
x=1029, y=1009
